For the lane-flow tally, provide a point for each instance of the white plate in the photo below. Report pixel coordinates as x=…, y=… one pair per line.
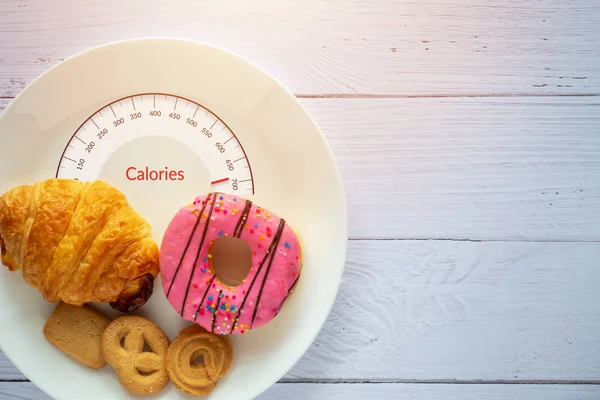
x=294, y=175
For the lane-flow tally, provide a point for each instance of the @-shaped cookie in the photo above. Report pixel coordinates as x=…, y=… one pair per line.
x=197, y=359
x=140, y=372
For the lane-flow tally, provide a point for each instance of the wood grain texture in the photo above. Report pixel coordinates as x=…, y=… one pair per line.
x=337, y=46
x=467, y=168
x=483, y=169
x=387, y=391
x=459, y=310
x=446, y=310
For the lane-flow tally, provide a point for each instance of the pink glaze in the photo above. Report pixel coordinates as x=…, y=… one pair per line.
x=210, y=303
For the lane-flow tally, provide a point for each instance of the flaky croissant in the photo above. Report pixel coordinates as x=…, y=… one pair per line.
x=78, y=242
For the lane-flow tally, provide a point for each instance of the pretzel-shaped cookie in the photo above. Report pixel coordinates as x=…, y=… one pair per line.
x=139, y=371
x=197, y=359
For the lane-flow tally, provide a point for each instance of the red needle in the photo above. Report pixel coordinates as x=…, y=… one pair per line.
x=219, y=181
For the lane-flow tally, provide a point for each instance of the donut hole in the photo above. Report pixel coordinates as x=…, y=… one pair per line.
x=122, y=342
x=231, y=260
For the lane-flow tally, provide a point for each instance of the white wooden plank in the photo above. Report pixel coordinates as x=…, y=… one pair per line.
x=338, y=46
x=439, y=310
x=8, y=371
x=462, y=310
x=490, y=169
x=308, y=391
x=467, y=168
x=392, y=391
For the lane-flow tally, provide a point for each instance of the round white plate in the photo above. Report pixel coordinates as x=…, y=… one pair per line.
x=293, y=175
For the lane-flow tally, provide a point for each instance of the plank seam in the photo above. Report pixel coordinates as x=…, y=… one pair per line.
x=527, y=240
x=423, y=96
x=411, y=381
x=441, y=382
x=436, y=95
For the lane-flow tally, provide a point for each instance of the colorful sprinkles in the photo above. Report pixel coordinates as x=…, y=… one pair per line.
x=226, y=310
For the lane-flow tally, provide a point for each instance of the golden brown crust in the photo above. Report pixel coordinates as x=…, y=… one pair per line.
x=128, y=272
x=97, y=204
x=123, y=228
x=140, y=372
x=15, y=211
x=54, y=208
x=76, y=242
x=197, y=359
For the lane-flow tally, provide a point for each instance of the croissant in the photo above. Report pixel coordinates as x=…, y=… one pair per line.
x=78, y=242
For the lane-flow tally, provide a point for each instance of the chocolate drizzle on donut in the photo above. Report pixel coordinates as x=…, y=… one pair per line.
x=214, y=318
x=271, y=249
x=276, y=240
x=287, y=295
x=187, y=290
x=239, y=227
x=204, y=297
x=187, y=246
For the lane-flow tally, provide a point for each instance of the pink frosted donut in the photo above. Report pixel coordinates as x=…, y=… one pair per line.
x=191, y=285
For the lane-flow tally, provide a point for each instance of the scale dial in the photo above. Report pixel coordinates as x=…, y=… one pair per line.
x=161, y=151
x=158, y=115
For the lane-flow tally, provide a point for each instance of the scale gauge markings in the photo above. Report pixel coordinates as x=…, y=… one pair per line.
x=218, y=152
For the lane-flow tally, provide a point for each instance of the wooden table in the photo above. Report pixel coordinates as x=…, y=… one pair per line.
x=468, y=137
